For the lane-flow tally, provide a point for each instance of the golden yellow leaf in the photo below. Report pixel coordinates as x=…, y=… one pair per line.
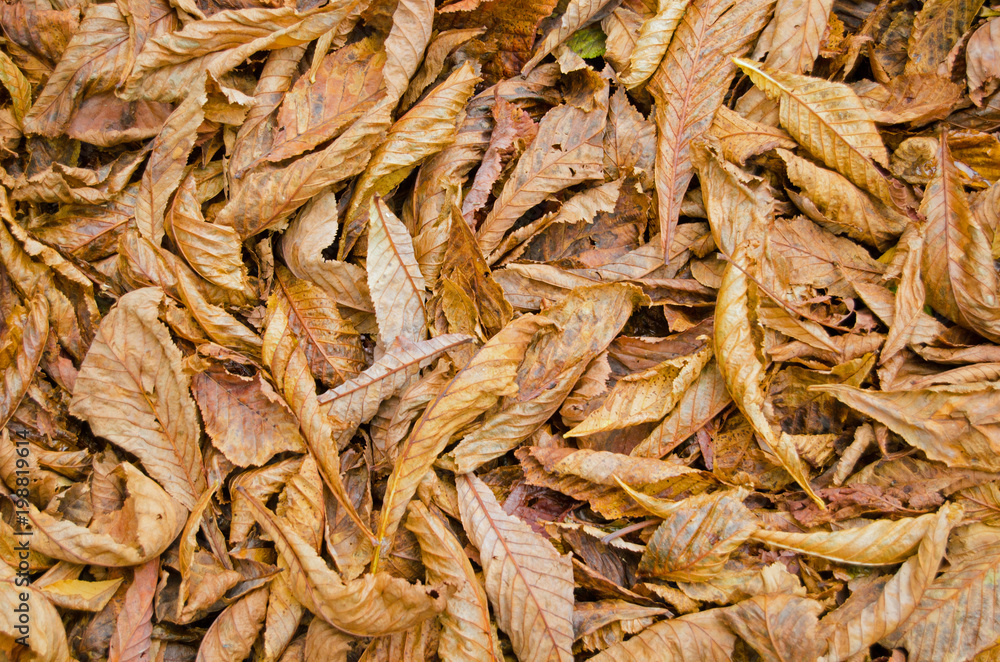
x=936, y=28
x=830, y=121
x=651, y=45
x=862, y=621
x=44, y=633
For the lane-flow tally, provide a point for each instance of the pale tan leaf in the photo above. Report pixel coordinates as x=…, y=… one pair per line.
x=645, y=396
x=982, y=68
x=566, y=151
x=80, y=595
x=220, y=326
x=489, y=376
x=21, y=348
x=134, y=363
x=442, y=45
x=213, y=251
x=701, y=637
x=256, y=136
x=779, y=626
x=791, y=42
x=245, y=418
x=286, y=351
x=864, y=620
x=689, y=87
x=910, y=296
x=651, y=45
x=269, y=195
x=374, y=605
x=357, y=400
x=115, y=540
x=529, y=584
x=260, y=484
x=741, y=138
x=326, y=643
x=467, y=634
x=588, y=319
x=405, y=45
x=394, y=277
x=45, y=634
x=621, y=28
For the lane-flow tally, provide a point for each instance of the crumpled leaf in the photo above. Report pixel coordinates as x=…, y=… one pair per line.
x=830, y=122
x=374, y=605
x=145, y=525
x=132, y=638
x=652, y=42
x=529, y=584
x=22, y=345
x=45, y=634
x=645, y=396
x=133, y=360
x=954, y=426
x=578, y=14
x=404, y=47
x=588, y=318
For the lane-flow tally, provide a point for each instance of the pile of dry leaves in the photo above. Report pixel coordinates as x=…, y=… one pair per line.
x=500, y=329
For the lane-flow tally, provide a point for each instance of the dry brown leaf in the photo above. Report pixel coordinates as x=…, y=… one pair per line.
x=44, y=636
x=245, y=418
x=404, y=47
x=394, y=277
x=373, y=605
x=594, y=476
x=588, y=319
x=936, y=28
x=566, y=151
x=529, y=584
x=466, y=631
x=697, y=535
x=830, y=121
x=957, y=264
x=689, y=86
x=132, y=638
x=489, y=376
x=950, y=425
x=21, y=349
x=645, y=396
x=703, y=636
x=982, y=66
x=133, y=360
x=579, y=14
x=779, y=626
x=114, y=539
